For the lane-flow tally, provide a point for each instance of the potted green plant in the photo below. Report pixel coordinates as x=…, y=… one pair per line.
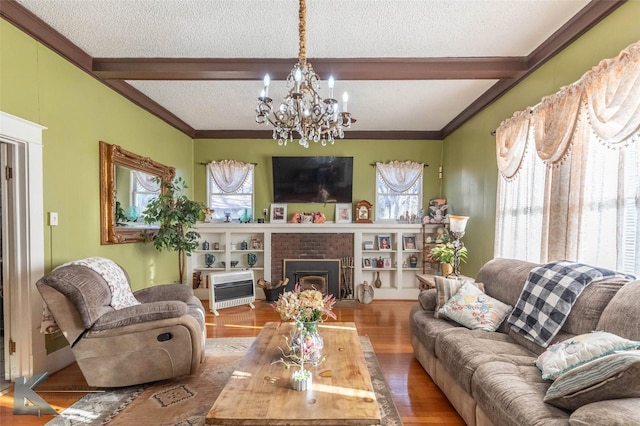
x=175, y=214
x=444, y=253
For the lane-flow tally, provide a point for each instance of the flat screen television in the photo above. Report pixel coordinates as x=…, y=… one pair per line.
x=312, y=179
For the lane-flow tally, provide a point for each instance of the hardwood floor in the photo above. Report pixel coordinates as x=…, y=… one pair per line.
x=386, y=322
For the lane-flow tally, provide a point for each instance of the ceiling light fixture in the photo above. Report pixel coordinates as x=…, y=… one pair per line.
x=303, y=110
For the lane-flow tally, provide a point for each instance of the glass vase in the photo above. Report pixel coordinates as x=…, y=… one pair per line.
x=307, y=343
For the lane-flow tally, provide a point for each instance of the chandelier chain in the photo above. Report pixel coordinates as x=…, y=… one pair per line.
x=302, y=29
x=303, y=111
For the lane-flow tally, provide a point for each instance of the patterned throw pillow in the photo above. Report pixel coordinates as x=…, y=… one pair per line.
x=563, y=356
x=475, y=310
x=611, y=377
x=446, y=288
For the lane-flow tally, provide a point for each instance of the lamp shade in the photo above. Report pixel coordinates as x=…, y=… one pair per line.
x=458, y=223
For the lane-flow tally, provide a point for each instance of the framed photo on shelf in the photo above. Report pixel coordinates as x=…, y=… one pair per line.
x=409, y=242
x=278, y=213
x=368, y=245
x=366, y=262
x=343, y=213
x=387, y=262
x=384, y=242
x=437, y=210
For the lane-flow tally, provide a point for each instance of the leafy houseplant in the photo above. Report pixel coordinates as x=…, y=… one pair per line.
x=176, y=215
x=444, y=253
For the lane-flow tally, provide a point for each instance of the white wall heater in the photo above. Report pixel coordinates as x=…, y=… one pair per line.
x=230, y=289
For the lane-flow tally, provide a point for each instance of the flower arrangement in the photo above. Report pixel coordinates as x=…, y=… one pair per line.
x=305, y=305
x=306, y=308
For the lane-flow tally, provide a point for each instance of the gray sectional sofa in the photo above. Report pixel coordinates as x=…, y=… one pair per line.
x=490, y=377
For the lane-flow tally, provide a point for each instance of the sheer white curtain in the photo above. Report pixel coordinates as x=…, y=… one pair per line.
x=400, y=175
x=229, y=175
x=575, y=191
x=150, y=183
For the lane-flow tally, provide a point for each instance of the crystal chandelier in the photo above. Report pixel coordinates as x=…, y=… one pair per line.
x=303, y=110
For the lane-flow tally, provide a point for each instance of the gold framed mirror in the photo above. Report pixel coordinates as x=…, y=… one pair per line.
x=116, y=164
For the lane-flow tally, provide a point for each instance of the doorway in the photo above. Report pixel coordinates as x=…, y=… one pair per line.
x=5, y=377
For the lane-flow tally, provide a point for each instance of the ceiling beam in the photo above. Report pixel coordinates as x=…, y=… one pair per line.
x=345, y=69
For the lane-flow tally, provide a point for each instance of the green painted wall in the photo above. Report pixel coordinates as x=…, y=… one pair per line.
x=470, y=170
x=364, y=153
x=40, y=86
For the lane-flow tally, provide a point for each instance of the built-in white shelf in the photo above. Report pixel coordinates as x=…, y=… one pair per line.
x=398, y=281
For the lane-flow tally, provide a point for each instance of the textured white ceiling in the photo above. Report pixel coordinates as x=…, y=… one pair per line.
x=335, y=28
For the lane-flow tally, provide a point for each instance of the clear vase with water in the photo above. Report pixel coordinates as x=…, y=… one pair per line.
x=307, y=343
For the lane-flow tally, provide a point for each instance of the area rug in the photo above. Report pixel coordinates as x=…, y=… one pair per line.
x=186, y=401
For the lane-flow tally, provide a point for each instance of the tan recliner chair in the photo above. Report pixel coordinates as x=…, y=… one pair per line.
x=161, y=338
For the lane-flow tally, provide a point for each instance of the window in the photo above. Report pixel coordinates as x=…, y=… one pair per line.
x=230, y=187
x=570, y=181
x=398, y=189
x=144, y=187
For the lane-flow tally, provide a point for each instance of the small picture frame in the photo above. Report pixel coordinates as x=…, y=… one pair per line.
x=256, y=244
x=366, y=262
x=368, y=245
x=409, y=242
x=438, y=210
x=343, y=213
x=387, y=262
x=384, y=242
x=278, y=213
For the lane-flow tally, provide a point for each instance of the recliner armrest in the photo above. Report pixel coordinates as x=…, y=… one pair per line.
x=158, y=293
x=137, y=314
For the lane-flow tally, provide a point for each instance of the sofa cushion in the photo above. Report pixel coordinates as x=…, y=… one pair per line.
x=509, y=394
x=427, y=328
x=446, y=288
x=611, y=377
x=617, y=412
x=534, y=347
x=115, y=277
x=504, y=278
x=85, y=288
x=427, y=299
x=138, y=314
x=474, y=309
x=578, y=350
x=586, y=311
x=461, y=351
x=621, y=314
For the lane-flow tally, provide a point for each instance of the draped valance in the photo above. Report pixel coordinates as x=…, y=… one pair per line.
x=400, y=175
x=229, y=175
x=605, y=101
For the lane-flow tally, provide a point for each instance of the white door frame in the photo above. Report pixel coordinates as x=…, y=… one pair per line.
x=26, y=263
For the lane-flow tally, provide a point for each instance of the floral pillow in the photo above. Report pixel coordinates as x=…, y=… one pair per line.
x=446, y=288
x=564, y=356
x=475, y=310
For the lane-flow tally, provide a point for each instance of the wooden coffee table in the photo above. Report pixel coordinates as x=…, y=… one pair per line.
x=260, y=393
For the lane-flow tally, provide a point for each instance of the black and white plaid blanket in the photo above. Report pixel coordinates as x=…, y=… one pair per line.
x=548, y=296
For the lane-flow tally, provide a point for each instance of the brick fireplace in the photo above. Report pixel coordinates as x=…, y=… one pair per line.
x=308, y=246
